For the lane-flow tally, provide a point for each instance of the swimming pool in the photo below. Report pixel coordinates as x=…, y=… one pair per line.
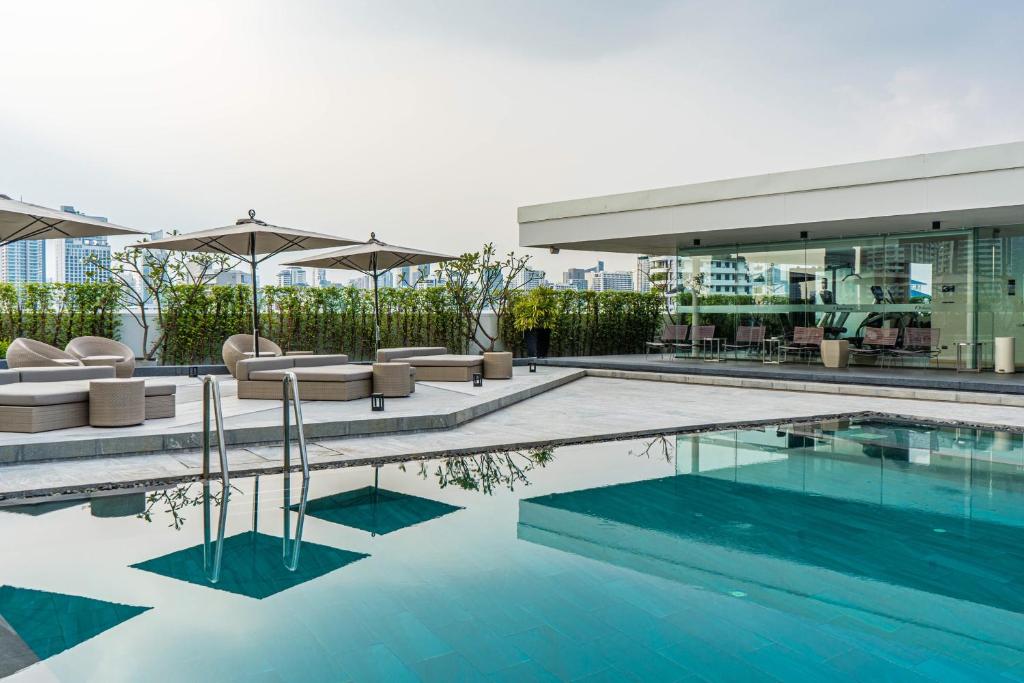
x=841, y=550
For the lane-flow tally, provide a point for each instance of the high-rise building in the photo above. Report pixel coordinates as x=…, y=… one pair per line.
x=23, y=261
x=80, y=259
x=610, y=280
x=576, y=278
x=385, y=281
x=410, y=276
x=320, y=278
x=642, y=277
x=528, y=279
x=292, y=276
x=234, y=277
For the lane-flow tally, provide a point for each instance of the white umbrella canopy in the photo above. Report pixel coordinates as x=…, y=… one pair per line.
x=252, y=240
x=373, y=258
x=24, y=221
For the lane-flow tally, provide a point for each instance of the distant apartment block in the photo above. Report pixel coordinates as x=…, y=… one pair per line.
x=609, y=281
x=81, y=259
x=528, y=279
x=642, y=276
x=234, y=278
x=385, y=281
x=292, y=276
x=23, y=261
x=576, y=278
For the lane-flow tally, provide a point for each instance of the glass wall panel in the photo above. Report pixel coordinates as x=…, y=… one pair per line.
x=923, y=280
x=1000, y=276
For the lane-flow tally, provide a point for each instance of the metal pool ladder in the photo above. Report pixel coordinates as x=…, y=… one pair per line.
x=290, y=394
x=211, y=398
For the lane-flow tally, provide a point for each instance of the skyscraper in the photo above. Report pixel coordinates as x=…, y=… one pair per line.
x=23, y=261
x=293, y=276
x=81, y=259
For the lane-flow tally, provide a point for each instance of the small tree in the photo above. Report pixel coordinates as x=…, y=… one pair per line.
x=479, y=282
x=147, y=278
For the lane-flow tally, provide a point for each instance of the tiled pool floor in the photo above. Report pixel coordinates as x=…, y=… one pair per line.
x=833, y=551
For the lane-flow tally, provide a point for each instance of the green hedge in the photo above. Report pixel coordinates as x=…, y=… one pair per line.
x=55, y=313
x=319, y=319
x=597, y=323
x=197, y=319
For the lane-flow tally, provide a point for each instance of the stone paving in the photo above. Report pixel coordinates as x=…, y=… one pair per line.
x=434, y=405
x=592, y=408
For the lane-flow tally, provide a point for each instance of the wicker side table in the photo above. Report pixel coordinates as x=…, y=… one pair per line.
x=391, y=379
x=117, y=402
x=498, y=365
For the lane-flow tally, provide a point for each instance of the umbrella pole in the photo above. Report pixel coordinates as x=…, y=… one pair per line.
x=376, y=310
x=255, y=297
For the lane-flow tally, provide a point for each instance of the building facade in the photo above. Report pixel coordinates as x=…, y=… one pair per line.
x=610, y=281
x=930, y=241
x=81, y=259
x=23, y=261
x=292, y=276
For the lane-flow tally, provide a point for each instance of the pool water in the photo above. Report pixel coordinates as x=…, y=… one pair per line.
x=842, y=550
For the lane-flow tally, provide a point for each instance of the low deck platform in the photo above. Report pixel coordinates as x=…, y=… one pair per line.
x=435, y=405
x=942, y=379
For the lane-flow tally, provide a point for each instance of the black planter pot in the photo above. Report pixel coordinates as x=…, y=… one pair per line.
x=538, y=342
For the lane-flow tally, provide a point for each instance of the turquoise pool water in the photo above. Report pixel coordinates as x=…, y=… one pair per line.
x=841, y=550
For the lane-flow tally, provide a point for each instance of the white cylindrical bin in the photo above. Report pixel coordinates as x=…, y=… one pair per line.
x=1004, y=354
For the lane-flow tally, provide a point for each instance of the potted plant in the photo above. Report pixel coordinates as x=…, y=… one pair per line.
x=535, y=313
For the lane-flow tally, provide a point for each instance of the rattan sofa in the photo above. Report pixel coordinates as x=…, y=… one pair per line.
x=29, y=353
x=42, y=399
x=103, y=351
x=434, y=363
x=240, y=346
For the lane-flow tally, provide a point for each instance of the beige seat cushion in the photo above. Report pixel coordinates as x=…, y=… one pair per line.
x=327, y=373
x=446, y=360
x=55, y=374
x=402, y=352
x=160, y=389
x=43, y=393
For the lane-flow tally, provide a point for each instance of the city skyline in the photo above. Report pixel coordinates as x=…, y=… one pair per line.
x=655, y=104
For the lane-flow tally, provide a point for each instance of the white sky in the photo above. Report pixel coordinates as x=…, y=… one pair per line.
x=430, y=122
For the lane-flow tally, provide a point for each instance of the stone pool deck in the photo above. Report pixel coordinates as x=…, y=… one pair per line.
x=590, y=409
x=434, y=405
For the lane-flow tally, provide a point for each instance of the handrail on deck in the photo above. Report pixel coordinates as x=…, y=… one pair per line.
x=290, y=394
x=211, y=398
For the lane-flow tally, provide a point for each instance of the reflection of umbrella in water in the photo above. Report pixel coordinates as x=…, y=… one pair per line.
x=377, y=510
x=372, y=258
x=254, y=242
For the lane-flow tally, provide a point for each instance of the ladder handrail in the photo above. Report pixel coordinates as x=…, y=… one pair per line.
x=211, y=393
x=291, y=382
x=212, y=565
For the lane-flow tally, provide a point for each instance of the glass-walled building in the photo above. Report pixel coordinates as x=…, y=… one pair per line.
x=963, y=284
x=934, y=241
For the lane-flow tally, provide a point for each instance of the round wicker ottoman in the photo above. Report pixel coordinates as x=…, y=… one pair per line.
x=391, y=379
x=117, y=402
x=498, y=365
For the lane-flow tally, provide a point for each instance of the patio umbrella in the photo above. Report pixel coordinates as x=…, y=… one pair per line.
x=372, y=258
x=23, y=221
x=254, y=242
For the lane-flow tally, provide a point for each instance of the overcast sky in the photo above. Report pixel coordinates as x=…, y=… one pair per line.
x=430, y=122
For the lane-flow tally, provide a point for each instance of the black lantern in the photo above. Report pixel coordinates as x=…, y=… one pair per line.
x=376, y=402
x=533, y=365
x=478, y=379
x=193, y=371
